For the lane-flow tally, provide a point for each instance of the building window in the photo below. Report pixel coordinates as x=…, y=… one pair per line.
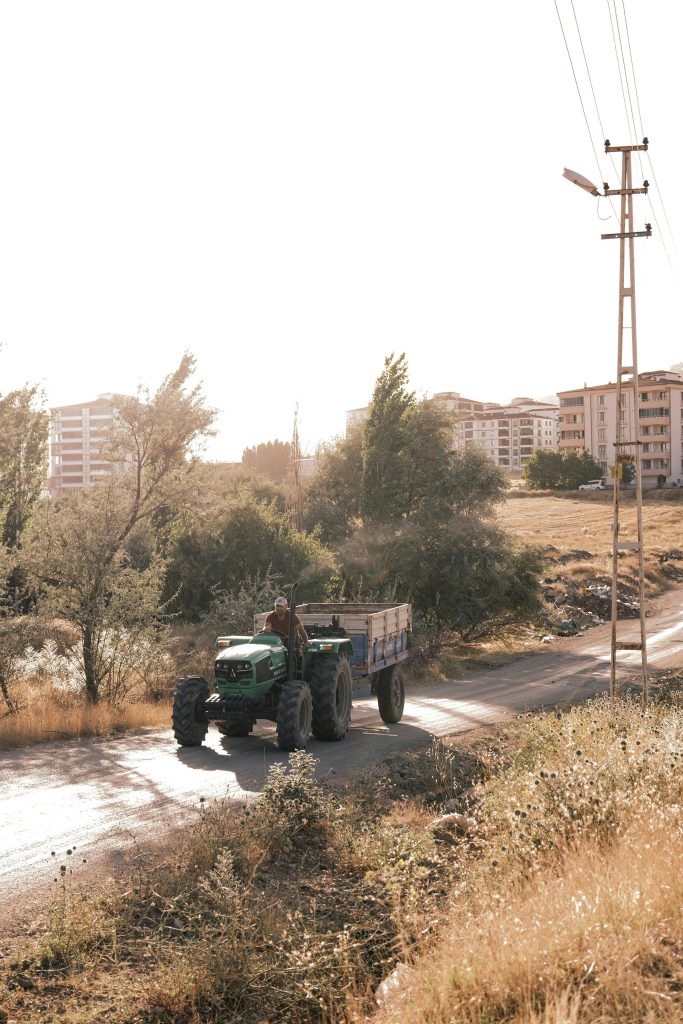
x=602, y=451
x=601, y=417
x=601, y=400
x=565, y=403
x=662, y=396
x=658, y=411
x=602, y=433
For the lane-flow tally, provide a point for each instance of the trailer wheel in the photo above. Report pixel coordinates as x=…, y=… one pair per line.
x=237, y=727
x=331, y=692
x=391, y=694
x=294, y=713
x=189, y=725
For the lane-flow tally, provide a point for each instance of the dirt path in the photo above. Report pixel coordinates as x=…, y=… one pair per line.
x=107, y=800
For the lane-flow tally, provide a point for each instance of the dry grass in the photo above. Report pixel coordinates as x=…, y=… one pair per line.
x=572, y=524
x=596, y=940
x=49, y=718
x=560, y=904
x=568, y=905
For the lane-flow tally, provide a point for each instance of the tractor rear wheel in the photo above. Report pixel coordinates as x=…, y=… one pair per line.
x=189, y=727
x=294, y=712
x=391, y=694
x=331, y=691
x=237, y=727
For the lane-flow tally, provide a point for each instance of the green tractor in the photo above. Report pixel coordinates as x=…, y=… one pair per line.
x=301, y=690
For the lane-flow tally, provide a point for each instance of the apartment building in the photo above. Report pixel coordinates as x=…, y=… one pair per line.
x=453, y=401
x=510, y=434
x=588, y=419
x=77, y=435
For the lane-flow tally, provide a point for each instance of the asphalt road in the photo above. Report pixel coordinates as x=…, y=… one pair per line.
x=105, y=799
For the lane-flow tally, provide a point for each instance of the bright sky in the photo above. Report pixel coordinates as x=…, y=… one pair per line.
x=292, y=190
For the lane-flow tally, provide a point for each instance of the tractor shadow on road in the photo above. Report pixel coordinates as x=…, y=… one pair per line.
x=250, y=758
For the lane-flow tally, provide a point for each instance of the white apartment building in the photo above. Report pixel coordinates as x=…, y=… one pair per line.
x=588, y=419
x=77, y=435
x=453, y=401
x=510, y=434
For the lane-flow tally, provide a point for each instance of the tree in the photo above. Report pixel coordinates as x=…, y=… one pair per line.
x=465, y=575
x=578, y=467
x=78, y=547
x=332, y=498
x=244, y=540
x=561, y=471
x=468, y=576
x=23, y=460
x=272, y=458
x=544, y=470
x=386, y=467
x=477, y=484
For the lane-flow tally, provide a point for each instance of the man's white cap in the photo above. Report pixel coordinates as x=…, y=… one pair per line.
x=281, y=600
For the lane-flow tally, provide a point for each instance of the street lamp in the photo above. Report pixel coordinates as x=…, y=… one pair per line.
x=578, y=179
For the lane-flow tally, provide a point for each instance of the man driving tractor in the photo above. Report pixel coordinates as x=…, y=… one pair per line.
x=278, y=621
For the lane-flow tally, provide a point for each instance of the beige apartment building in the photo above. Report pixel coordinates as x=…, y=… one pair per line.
x=453, y=401
x=77, y=435
x=588, y=419
x=509, y=434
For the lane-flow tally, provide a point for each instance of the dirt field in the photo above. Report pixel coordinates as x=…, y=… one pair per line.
x=576, y=524
x=576, y=537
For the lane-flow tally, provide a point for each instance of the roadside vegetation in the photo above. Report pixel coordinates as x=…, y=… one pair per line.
x=108, y=595
x=528, y=874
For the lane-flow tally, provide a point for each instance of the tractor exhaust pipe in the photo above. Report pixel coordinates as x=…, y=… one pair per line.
x=291, y=639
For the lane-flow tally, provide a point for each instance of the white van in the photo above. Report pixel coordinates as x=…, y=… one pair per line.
x=593, y=485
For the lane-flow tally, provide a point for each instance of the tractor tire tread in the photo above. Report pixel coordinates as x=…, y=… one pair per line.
x=186, y=729
x=327, y=724
x=290, y=736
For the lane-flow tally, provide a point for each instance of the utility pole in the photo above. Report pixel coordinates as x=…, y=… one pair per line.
x=296, y=501
x=627, y=449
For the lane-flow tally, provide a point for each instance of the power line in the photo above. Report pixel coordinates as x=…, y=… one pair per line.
x=576, y=83
x=616, y=54
x=595, y=101
x=624, y=78
x=640, y=118
x=628, y=87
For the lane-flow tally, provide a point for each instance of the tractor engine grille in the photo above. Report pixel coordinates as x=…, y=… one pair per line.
x=234, y=671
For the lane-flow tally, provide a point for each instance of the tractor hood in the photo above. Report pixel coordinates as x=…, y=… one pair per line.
x=244, y=652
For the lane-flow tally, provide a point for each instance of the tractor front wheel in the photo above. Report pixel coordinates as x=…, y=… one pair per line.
x=189, y=725
x=294, y=713
x=331, y=688
x=391, y=694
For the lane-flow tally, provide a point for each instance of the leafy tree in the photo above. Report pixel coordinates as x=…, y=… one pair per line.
x=544, y=470
x=578, y=467
x=628, y=472
x=233, y=611
x=560, y=471
x=78, y=553
x=466, y=575
x=332, y=496
x=386, y=466
x=242, y=540
x=23, y=460
x=477, y=484
x=428, y=448
x=272, y=458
